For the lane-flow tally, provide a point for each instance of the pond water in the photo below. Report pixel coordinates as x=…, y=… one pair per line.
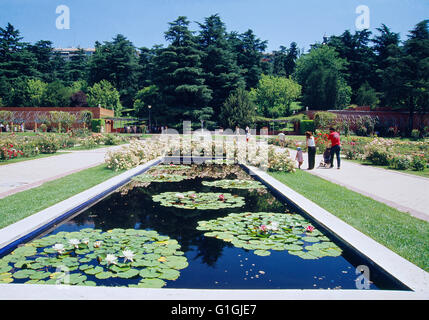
x=216, y=263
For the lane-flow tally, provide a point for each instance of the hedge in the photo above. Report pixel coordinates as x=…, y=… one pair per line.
x=96, y=124
x=306, y=125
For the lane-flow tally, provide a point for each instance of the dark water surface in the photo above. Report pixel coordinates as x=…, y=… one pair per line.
x=214, y=263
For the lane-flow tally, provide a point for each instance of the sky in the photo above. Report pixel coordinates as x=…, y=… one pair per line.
x=144, y=22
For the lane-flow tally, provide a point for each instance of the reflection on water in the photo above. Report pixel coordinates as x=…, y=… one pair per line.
x=214, y=263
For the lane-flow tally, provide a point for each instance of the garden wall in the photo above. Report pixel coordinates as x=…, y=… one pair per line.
x=400, y=120
x=27, y=115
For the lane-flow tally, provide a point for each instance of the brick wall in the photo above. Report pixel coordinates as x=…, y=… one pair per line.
x=28, y=114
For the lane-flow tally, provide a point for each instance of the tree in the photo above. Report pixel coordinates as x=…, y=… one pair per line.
x=406, y=77
x=238, y=110
x=285, y=60
x=359, y=55
x=180, y=78
x=321, y=75
x=15, y=58
x=249, y=51
x=274, y=95
x=42, y=51
x=385, y=44
x=103, y=93
x=116, y=62
x=56, y=95
x=78, y=99
x=77, y=66
x=36, y=90
x=366, y=96
x=148, y=96
x=222, y=75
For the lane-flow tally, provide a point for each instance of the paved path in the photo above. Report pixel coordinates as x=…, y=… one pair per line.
x=405, y=192
x=20, y=176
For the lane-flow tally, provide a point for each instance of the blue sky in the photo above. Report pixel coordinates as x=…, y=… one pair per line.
x=144, y=22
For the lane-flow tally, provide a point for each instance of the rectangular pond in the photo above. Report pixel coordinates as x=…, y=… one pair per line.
x=193, y=226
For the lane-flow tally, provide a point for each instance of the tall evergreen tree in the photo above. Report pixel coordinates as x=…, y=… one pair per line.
x=77, y=66
x=219, y=62
x=179, y=77
x=15, y=58
x=116, y=62
x=406, y=77
x=355, y=49
x=249, y=52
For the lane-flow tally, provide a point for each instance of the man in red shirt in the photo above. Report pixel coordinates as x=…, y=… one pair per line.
x=334, y=137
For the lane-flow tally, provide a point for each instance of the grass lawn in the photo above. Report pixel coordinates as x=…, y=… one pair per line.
x=398, y=231
x=39, y=156
x=26, y=203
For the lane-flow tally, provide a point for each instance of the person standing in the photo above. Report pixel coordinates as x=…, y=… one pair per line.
x=299, y=157
x=334, y=137
x=311, y=149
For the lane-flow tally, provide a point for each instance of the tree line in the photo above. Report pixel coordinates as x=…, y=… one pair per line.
x=220, y=77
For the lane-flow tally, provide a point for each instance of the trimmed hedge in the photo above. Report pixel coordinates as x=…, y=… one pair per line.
x=306, y=125
x=96, y=124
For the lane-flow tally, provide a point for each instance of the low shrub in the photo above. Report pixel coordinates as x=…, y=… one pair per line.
x=418, y=163
x=400, y=162
x=47, y=144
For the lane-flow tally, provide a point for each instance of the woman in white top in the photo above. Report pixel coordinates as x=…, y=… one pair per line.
x=311, y=149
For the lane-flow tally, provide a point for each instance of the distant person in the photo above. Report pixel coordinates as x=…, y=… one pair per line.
x=282, y=139
x=311, y=149
x=299, y=157
x=334, y=138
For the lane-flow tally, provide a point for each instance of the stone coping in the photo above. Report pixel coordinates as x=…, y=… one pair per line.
x=403, y=270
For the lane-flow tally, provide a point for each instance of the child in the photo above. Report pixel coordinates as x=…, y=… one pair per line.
x=326, y=162
x=299, y=157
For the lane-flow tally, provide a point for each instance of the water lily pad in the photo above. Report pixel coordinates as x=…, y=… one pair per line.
x=201, y=201
x=262, y=253
x=234, y=184
x=128, y=274
x=152, y=283
x=104, y=275
x=93, y=256
x=265, y=231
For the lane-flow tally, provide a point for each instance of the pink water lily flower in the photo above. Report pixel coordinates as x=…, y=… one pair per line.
x=263, y=228
x=221, y=197
x=309, y=228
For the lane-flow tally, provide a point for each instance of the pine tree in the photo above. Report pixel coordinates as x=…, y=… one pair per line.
x=179, y=77
x=222, y=74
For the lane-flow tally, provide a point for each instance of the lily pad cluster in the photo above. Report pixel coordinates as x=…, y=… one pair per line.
x=234, y=184
x=220, y=162
x=201, y=201
x=89, y=257
x=266, y=231
x=172, y=167
x=159, y=178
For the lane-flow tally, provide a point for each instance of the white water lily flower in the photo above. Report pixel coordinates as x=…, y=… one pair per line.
x=97, y=244
x=85, y=241
x=128, y=255
x=180, y=196
x=273, y=226
x=74, y=242
x=111, y=259
x=59, y=248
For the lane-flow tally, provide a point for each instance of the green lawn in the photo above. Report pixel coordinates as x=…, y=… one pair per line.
x=398, y=231
x=26, y=203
